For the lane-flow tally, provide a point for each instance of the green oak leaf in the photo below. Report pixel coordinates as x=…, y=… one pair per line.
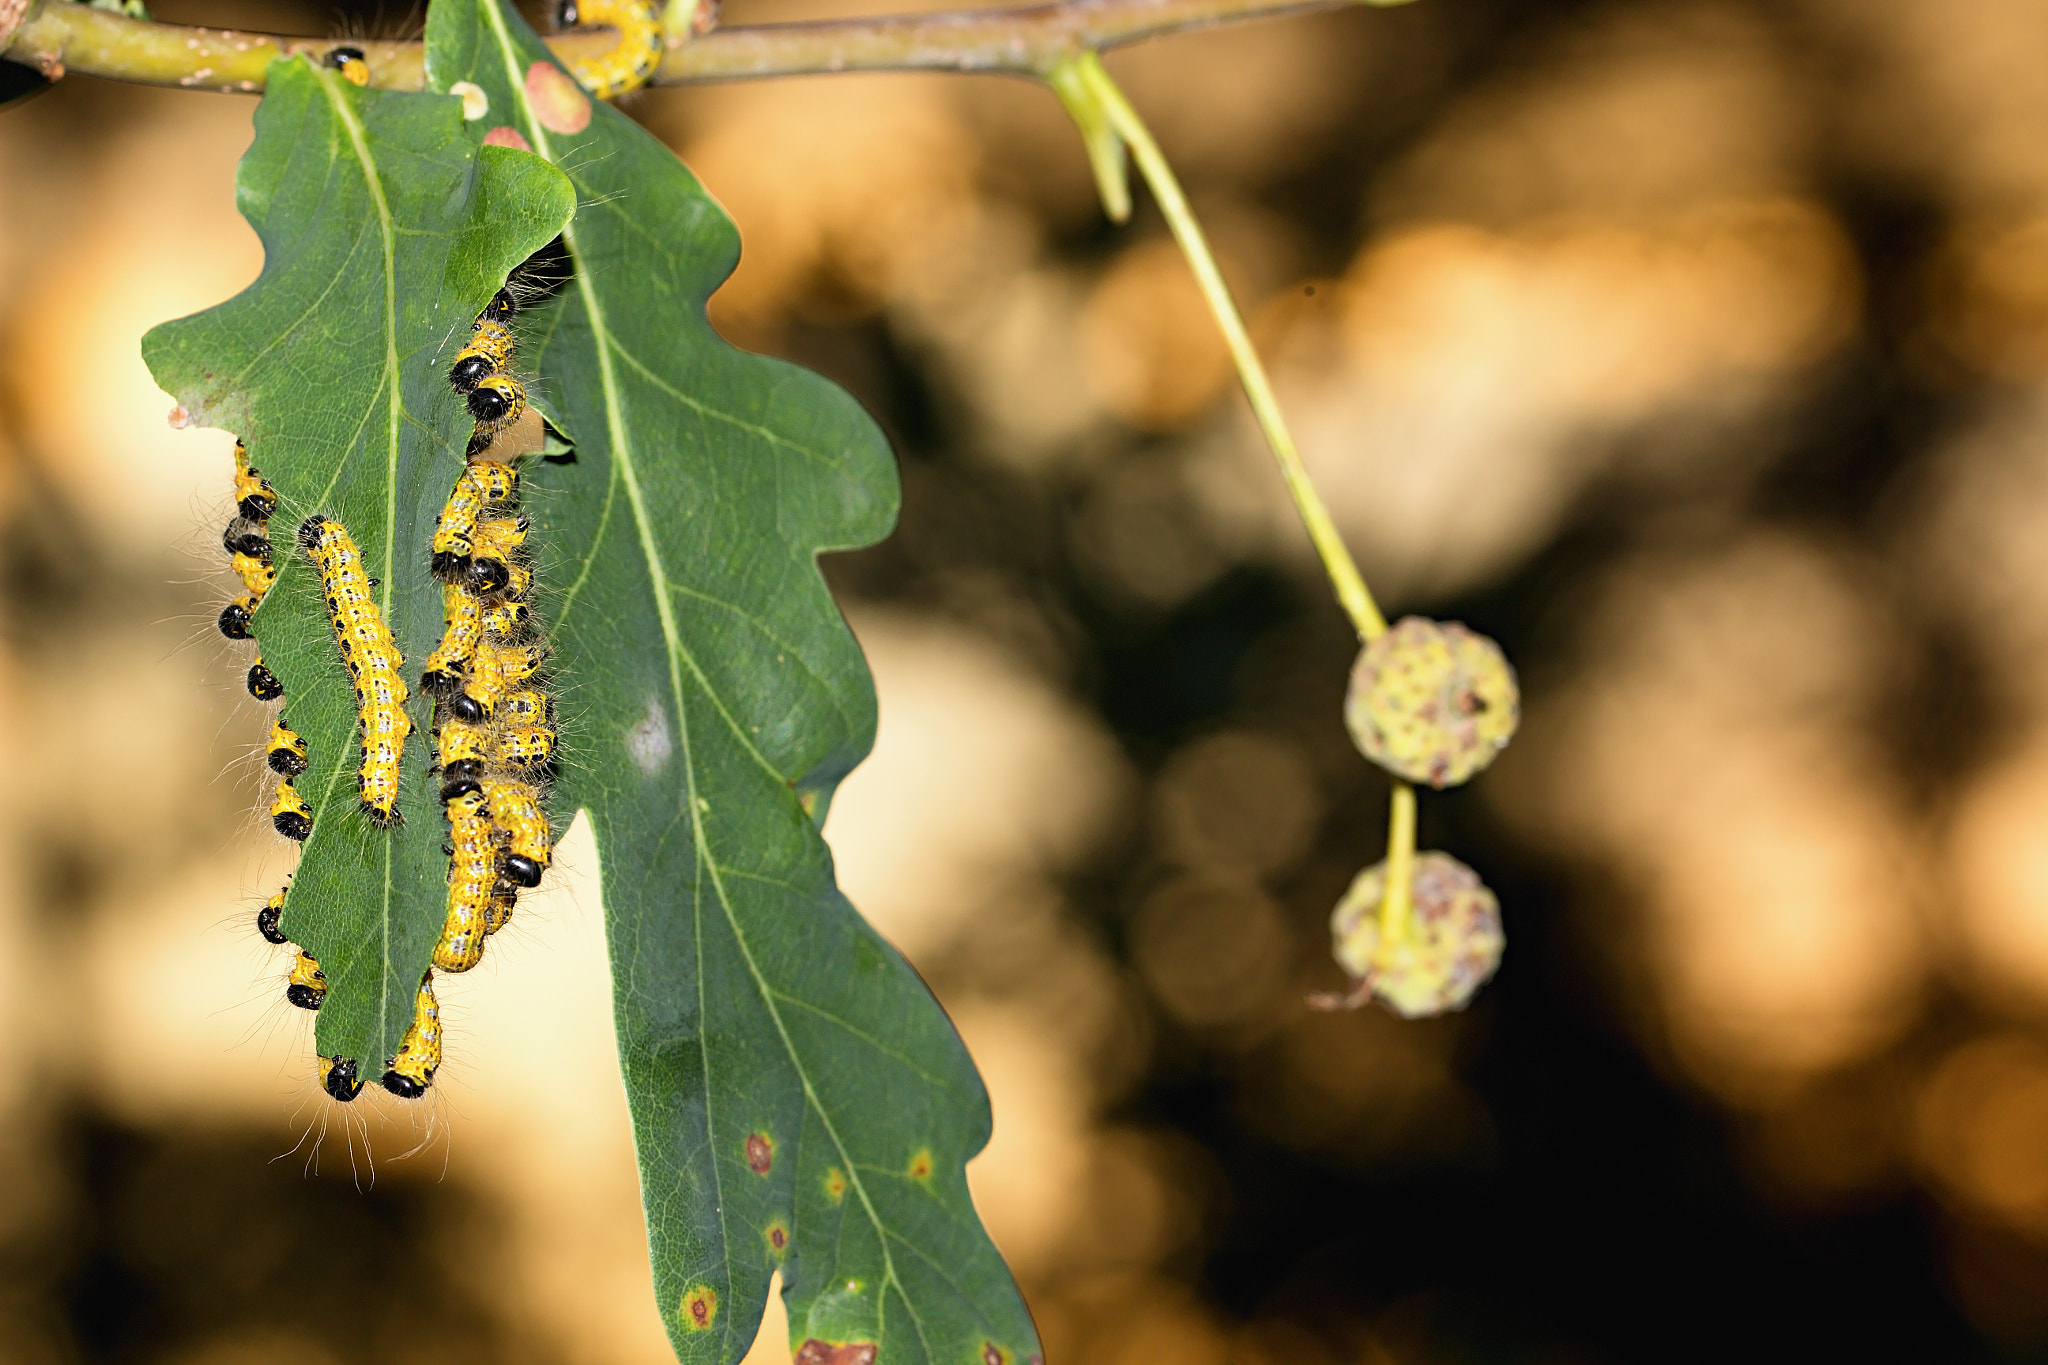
x=799, y=1100
x=384, y=231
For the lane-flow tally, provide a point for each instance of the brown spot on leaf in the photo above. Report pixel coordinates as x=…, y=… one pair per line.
x=778, y=1237
x=991, y=1354
x=921, y=1164
x=700, y=1307
x=505, y=135
x=816, y=1352
x=835, y=1184
x=760, y=1153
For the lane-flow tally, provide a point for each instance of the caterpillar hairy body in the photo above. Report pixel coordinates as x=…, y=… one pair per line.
x=255, y=499
x=461, y=749
x=499, y=912
x=463, y=612
x=306, y=986
x=507, y=618
x=527, y=748
x=489, y=351
x=632, y=63
x=419, y=1052
x=497, y=667
x=490, y=561
x=482, y=484
x=372, y=659
x=256, y=572
x=515, y=809
x=472, y=876
x=526, y=706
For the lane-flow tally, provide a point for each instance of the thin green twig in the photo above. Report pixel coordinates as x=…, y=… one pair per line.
x=1092, y=80
x=1397, y=902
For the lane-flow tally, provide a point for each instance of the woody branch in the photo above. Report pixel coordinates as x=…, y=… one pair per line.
x=59, y=37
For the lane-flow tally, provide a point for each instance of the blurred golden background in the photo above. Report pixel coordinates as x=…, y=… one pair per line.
x=1695, y=349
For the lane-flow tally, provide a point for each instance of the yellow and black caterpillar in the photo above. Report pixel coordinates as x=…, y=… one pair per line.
x=495, y=740
x=633, y=62
x=412, y=1069
x=496, y=400
x=246, y=541
x=372, y=660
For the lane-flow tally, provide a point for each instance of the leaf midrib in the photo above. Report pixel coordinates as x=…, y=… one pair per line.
x=330, y=85
x=657, y=572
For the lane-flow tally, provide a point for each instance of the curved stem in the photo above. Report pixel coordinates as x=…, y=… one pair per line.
x=1089, y=76
x=59, y=36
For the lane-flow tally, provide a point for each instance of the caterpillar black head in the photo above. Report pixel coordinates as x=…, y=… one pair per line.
x=263, y=684
x=234, y=617
x=241, y=539
x=484, y=576
x=403, y=1086
x=306, y=986
x=468, y=371
x=461, y=779
x=497, y=401
x=567, y=15
x=520, y=870
x=339, y=1079
x=350, y=62
x=286, y=753
x=438, y=683
x=266, y=922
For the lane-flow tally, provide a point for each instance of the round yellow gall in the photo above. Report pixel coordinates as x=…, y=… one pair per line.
x=1435, y=960
x=1432, y=702
x=558, y=103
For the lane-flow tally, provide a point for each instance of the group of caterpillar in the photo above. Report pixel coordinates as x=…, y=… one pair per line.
x=626, y=67
x=494, y=743
x=247, y=543
x=495, y=747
